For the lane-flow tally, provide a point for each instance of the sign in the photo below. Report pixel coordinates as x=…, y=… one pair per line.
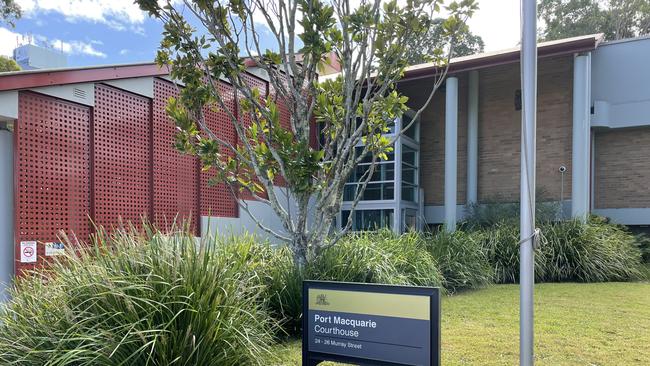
x=27, y=252
x=52, y=249
x=370, y=324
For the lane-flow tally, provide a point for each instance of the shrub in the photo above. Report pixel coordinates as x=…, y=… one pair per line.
x=572, y=251
x=141, y=300
x=377, y=257
x=500, y=245
x=497, y=210
x=273, y=270
x=370, y=257
x=592, y=252
x=461, y=259
x=643, y=243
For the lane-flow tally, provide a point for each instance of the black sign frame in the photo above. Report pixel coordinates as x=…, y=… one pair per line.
x=314, y=358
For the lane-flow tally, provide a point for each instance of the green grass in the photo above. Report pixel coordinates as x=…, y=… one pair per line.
x=575, y=324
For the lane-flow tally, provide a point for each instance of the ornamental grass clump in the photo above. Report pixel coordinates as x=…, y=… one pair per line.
x=377, y=257
x=273, y=268
x=595, y=251
x=139, y=299
x=461, y=258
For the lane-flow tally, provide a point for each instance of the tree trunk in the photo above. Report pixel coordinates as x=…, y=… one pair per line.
x=299, y=250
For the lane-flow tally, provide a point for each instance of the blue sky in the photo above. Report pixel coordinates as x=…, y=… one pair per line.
x=89, y=32
x=92, y=32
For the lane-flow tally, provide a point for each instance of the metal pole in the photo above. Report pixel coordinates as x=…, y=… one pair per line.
x=527, y=193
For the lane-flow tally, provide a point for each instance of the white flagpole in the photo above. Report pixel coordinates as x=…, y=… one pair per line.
x=527, y=192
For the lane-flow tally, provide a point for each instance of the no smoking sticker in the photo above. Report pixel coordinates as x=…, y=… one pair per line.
x=28, y=252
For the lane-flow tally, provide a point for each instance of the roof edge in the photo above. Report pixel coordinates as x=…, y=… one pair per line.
x=512, y=55
x=51, y=77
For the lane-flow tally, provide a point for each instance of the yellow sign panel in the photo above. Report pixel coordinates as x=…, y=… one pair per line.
x=370, y=303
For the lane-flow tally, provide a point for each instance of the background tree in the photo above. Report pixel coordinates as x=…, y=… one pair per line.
x=7, y=64
x=617, y=19
x=9, y=11
x=465, y=43
x=357, y=107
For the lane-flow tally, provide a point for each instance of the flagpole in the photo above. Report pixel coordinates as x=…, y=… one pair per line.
x=527, y=190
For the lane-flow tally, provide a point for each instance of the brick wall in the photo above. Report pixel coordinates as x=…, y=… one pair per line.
x=499, y=133
x=622, y=168
x=432, y=138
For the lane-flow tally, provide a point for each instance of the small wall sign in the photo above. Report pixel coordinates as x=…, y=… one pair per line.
x=52, y=249
x=28, y=252
x=369, y=324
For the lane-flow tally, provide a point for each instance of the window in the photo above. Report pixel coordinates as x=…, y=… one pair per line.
x=378, y=205
x=410, y=219
x=381, y=185
x=368, y=219
x=409, y=174
x=412, y=131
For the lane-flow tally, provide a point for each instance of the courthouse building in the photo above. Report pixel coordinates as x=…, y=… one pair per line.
x=94, y=144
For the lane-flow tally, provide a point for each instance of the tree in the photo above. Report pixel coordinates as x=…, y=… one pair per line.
x=353, y=111
x=7, y=64
x=9, y=11
x=465, y=43
x=617, y=19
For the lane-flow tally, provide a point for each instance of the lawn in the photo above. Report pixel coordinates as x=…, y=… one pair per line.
x=575, y=324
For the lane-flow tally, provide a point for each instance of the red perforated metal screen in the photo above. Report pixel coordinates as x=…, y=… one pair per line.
x=114, y=161
x=52, y=172
x=218, y=200
x=285, y=121
x=246, y=119
x=122, y=156
x=176, y=176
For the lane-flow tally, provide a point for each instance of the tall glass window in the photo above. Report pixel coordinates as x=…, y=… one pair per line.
x=409, y=174
x=391, y=196
x=364, y=220
x=381, y=185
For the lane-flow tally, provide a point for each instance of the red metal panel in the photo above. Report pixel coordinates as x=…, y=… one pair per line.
x=246, y=119
x=285, y=116
x=285, y=121
x=175, y=183
x=52, y=172
x=122, y=157
x=218, y=200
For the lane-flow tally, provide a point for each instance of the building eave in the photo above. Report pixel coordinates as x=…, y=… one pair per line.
x=483, y=60
x=49, y=77
x=565, y=46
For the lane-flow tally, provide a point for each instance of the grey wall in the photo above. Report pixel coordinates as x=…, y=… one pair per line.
x=225, y=226
x=621, y=84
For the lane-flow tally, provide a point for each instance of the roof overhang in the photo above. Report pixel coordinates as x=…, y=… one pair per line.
x=565, y=46
x=50, y=77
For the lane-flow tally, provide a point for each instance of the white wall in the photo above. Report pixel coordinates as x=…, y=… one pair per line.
x=620, y=84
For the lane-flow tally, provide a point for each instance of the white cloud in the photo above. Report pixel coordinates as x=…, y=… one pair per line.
x=124, y=51
x=9, y=40
x=77, y=48
x=114, y=13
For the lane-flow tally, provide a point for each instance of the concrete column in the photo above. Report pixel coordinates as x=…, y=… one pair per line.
x=581, y=138
x=472, y=139
x=397, y=190
x=6, y=211
x=451, y=150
